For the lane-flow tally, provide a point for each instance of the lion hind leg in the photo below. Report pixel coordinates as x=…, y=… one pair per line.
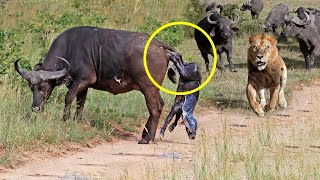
x=282, y=100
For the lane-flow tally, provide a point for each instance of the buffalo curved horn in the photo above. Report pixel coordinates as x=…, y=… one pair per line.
x=298, y=21
x=309, y=11
x=57, y=74
x=22, y=72
x=248, y=2
x=237, y=20
x=210, y=21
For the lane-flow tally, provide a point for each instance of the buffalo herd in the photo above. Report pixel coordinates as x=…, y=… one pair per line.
x=111, y=60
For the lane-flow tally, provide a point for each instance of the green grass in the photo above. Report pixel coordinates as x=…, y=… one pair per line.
x=33, y=26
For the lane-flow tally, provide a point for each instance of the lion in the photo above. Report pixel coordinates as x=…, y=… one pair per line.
x=267, y=70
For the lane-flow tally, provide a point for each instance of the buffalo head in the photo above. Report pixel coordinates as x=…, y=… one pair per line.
x=294, y=25
x=301, y=12
x=213, y=7
x=246, y=5
x=40, y=82
x=224, y=26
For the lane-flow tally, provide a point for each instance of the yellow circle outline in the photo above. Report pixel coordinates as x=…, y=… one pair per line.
x=146, y=51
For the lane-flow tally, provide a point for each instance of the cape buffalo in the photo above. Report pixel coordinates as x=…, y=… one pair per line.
x=255, y=6
x=276, y=18
x=220, y=30
x=213, y=7
x=307, y=31
x=103, y=59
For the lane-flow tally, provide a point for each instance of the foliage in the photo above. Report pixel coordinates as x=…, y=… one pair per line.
x=172, y=35
x=193, y=12
x=38, y=32
x=229, y=10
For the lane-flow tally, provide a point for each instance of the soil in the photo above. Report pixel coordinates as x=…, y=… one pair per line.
x=126, y=159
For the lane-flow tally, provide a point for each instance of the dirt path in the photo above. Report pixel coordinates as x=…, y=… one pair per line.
x=127, y=158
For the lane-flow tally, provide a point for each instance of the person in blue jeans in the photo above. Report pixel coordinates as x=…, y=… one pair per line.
x=190, y=78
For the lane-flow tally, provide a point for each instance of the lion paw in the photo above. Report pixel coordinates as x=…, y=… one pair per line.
x=260, y=112
x=269, y=109
x=283, y=104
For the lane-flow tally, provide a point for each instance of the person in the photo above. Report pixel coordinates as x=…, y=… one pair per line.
x=190, y=78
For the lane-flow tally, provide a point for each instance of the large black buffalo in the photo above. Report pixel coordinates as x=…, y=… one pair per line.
x=220, y=30
x=103, y=59
x=306, y=28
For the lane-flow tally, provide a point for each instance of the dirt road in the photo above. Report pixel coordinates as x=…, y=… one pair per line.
x=128, y=159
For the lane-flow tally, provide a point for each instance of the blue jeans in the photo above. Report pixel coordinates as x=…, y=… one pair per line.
x=187, y=112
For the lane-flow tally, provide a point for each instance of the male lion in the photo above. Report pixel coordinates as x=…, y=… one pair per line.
x=266, y=71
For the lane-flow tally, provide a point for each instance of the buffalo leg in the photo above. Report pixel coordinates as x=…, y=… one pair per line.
x=220, y=63
x=75, y=89
x=155, y=109
x=229, y=58
x=175, y=123
x=81, y=98
x=274, y=29
x=312, y=57
x=206, y=60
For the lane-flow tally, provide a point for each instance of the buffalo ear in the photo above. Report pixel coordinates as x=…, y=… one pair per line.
x=37, y=67
x=235, y=31
x=307, y=24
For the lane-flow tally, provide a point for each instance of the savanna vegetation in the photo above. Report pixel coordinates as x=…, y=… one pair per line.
x=28, y=27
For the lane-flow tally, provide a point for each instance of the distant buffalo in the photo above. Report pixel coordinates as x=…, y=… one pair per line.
x=276, y=18
x=306, y=28
x=103, y=59
x=255, y=7
x=220, y=30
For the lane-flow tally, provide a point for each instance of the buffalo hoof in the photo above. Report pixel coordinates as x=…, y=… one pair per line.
x=143, y=141
x=233, y=70
x=221, y=69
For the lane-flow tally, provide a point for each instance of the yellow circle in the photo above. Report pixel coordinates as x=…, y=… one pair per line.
x=146, y=51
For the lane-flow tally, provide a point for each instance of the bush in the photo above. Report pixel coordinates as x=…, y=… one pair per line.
x=193, y=13
x=172, y=35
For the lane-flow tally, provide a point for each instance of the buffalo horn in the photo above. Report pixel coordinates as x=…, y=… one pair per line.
x=57, y=74
x=308, y=11
x=22, y=72
x=210, y=21
x=298, y=21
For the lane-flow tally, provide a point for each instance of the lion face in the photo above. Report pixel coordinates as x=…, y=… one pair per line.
x=262, y=50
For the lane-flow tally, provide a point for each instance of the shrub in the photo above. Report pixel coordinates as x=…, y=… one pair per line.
x=193, y=13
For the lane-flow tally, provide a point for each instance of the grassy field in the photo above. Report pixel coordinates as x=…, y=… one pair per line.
x=27, y=29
